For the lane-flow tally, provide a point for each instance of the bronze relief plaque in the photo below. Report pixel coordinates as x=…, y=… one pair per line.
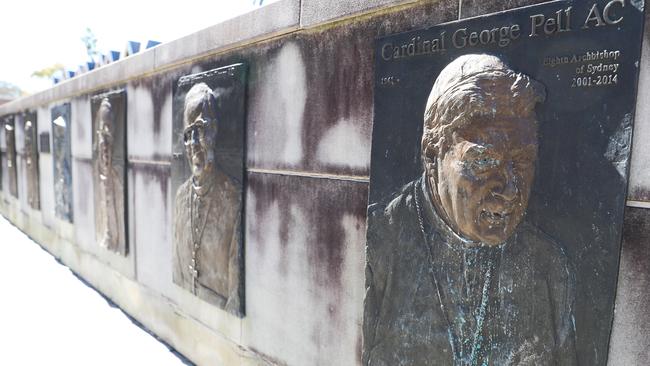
x=62, y=162
x=498, y=177
x=109, y=170
x=207, y=183
x=10, y=143
x=31, y=160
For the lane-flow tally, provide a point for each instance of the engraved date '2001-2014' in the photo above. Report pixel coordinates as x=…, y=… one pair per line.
x=598, y=80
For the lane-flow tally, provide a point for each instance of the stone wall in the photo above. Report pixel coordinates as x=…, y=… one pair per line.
x=309, y=122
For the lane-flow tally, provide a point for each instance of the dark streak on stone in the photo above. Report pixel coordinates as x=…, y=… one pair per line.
x=630, y=342
x=158, y=86
x=265, y=196
x=472, y=8
x=324, y=203
x=636, y=240
x=143, y=160
x=84, y=168
x=267, y=359
x=130, y=216
x=80, y=129
x=639, y=194
x=153, y=173
x=359, y=346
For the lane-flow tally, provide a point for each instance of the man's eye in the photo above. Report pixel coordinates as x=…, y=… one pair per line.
x=483, y=164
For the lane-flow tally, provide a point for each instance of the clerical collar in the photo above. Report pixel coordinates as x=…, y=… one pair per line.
x=431, y=216
x=202, y=190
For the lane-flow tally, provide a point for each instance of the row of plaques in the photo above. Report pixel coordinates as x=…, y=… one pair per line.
x=499, y=165
x=207, y=174
x=8, y=125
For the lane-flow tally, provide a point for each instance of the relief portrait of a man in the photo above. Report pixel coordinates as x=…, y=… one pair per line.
x=31, y=165
x=207, y=214
x=61, y=165
x=109, y=215
x=10, y=140
x=455, y=274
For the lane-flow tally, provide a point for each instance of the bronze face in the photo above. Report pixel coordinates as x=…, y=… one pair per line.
x=29, y=158
x=11, y=148
x=200, y=132
x=105, y=136
x=480, y=146
x=485, y=177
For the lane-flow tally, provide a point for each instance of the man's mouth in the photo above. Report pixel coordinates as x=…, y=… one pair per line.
x=496, y=218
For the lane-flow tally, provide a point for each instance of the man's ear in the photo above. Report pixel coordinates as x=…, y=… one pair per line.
x=430, y=163
x=429, y=154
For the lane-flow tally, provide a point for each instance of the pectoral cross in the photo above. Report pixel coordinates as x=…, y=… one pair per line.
x=194, y=270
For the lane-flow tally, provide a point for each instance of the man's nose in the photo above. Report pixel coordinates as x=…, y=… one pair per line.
x=507, y=190
x=194, y=137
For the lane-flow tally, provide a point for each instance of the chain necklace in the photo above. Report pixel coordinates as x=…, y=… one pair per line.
x=107, y=191
x=456, y=348
x=196, y=236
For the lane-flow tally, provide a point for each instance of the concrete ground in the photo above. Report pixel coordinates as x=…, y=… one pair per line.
x=50, y=317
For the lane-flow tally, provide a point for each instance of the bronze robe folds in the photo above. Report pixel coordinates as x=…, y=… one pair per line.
x=110, y=231
x=213, y=221
x=427, y=302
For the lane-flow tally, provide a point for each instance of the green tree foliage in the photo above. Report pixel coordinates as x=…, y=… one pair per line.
x=90, y=41
x=48, y=72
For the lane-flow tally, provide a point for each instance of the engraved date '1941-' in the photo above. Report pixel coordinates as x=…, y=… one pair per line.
x=388, y=81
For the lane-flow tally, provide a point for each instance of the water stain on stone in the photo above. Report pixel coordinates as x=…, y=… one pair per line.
x=155, y=174
x=471, y=8
x=266, y=196
x=636, y=239
x=324, y=203
x=630, y=341
x=159, y=87
x=639, y=194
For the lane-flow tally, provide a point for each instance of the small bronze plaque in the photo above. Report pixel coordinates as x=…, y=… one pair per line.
x=499, y=170
x=44, y=142
x=208, y=181
x=109, y=170
x=62, y=162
